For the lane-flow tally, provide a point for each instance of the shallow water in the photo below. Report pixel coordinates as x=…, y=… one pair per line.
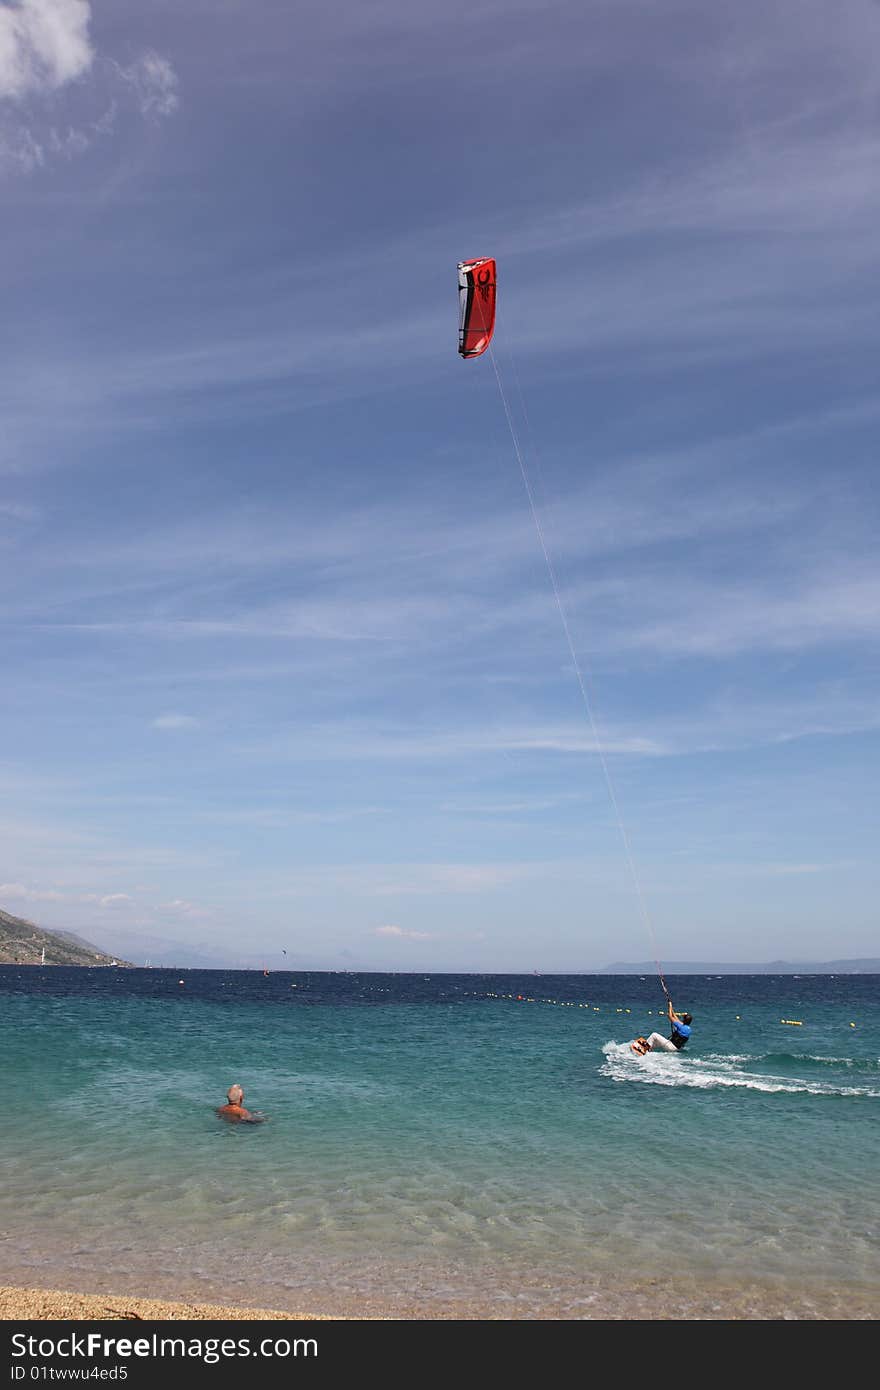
x=436, y=1145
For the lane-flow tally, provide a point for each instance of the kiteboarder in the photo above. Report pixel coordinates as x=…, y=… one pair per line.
x=681, y=1031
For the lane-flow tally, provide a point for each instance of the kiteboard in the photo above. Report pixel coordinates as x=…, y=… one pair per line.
x=640, y=1046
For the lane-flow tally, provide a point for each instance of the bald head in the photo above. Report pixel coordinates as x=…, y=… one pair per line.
x=235, y=1095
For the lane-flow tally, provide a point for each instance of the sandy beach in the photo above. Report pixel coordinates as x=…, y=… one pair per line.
x=59, y=1305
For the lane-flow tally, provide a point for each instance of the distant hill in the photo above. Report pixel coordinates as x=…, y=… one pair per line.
x=867, y=966
x=23, y=943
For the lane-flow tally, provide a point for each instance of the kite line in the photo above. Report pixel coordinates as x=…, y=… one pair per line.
x=473, y=342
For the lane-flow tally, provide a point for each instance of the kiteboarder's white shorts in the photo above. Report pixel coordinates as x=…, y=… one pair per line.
x=658, y=1043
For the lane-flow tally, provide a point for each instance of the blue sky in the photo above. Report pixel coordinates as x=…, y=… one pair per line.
x=283, y=668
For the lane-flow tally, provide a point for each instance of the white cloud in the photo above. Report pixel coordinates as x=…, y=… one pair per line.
x=174, y=721
x=179, y=907
x=399, y=933
x=43, y=895
x=44, y=44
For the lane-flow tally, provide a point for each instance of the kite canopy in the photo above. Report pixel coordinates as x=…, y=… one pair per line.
x=476, y=296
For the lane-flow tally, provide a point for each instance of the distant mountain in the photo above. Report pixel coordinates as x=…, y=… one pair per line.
x=165, y=953
x=23, y=943
x=866, y=966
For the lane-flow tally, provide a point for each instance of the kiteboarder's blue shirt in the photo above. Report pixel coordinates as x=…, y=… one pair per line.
x=680, y=1032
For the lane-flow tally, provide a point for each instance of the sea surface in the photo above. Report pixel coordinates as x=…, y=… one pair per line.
x=474, y=1146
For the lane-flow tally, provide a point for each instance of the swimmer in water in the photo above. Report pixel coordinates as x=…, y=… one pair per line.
x=234, y=1109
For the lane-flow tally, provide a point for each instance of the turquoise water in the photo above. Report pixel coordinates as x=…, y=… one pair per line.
x=436, y=1146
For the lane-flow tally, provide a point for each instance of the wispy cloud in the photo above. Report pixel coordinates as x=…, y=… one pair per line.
x=784, y=870
x=346, y=740
x=279, y=818
x=18, y=511
x=155, y=84
x=175, y=722
x=723, y=619
x=417, y=879
x=54, y=895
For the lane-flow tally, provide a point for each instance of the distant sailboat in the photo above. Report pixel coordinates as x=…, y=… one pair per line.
x=43, y=956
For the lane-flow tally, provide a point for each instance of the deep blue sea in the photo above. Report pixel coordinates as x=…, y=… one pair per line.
x=445, y=1145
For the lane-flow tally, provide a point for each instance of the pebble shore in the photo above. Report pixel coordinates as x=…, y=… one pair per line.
x=56, y=1305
